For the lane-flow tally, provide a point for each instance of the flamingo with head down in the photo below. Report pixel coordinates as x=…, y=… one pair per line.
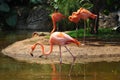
x=60, y=39
x=57, y=38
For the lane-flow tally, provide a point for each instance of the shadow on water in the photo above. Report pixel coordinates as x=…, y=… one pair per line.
x=11, y=69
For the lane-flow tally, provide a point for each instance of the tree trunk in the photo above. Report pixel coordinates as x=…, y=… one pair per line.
x=98, y=5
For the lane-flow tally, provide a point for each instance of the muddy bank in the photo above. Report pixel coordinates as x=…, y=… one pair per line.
x=91, y=52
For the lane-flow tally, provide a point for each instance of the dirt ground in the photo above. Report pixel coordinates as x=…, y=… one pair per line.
x=92, y=51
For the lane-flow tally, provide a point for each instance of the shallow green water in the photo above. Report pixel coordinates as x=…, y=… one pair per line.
x=11, y=69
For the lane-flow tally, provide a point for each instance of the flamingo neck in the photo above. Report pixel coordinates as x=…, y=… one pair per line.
x=54, y=26
x=43, y=49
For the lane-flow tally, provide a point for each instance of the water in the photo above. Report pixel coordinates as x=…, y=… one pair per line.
x=11, y=69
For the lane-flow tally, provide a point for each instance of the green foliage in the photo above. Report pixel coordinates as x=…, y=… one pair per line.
x=104, y=33
x=4, y=7
x=9, y=15
x=111, y=5
x=35, y=1
x=69, y=6
x=108, y=33
x=11, y=20
x=106, y=12
x=66, y=7
x=38, y=1
x=109, y=2
x=79, y=33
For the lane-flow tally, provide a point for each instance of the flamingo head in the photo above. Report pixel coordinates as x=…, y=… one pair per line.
x=33, y=47
x=74, y=18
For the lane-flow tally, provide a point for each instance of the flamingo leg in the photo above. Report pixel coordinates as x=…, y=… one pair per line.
x=84, y=32
x=60, y=54
x=74, y=58
x=77, y=31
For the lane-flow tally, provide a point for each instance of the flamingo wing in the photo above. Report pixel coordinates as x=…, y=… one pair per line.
x=87, y=14
x=61, y=38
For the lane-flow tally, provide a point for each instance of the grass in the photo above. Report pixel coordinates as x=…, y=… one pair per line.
x=104, y=33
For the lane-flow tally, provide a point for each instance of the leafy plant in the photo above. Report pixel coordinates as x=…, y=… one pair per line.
x=4, y=7
x=110, y=7
x=11, y=20
x=66, y=7
x=9, y=17
x=38, y=1
x=69, y=6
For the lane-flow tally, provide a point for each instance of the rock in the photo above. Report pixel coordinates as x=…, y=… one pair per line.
x=38, y=19
x=106, y=21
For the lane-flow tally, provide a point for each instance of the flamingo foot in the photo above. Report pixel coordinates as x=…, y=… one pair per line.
x=46, y=57
x=40, y=56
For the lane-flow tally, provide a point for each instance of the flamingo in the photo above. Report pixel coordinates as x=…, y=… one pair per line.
x=56, y=17
x=74, y=18
x=83, y=14
x=60, y=39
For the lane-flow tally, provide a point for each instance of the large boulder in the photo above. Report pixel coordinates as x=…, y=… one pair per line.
x=106, y=21
x=38, y=19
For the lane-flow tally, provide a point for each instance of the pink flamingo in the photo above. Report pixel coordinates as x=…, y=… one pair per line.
x=60, y=39
x=82, y=14
x=85, y=14
x=56, y=17
x=74, y=18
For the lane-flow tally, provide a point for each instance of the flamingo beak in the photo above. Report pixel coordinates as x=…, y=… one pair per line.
x=31, y=54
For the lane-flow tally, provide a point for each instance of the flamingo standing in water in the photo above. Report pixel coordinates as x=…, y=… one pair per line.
x=60, y=39
x=56, y=17
x=82, y=14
